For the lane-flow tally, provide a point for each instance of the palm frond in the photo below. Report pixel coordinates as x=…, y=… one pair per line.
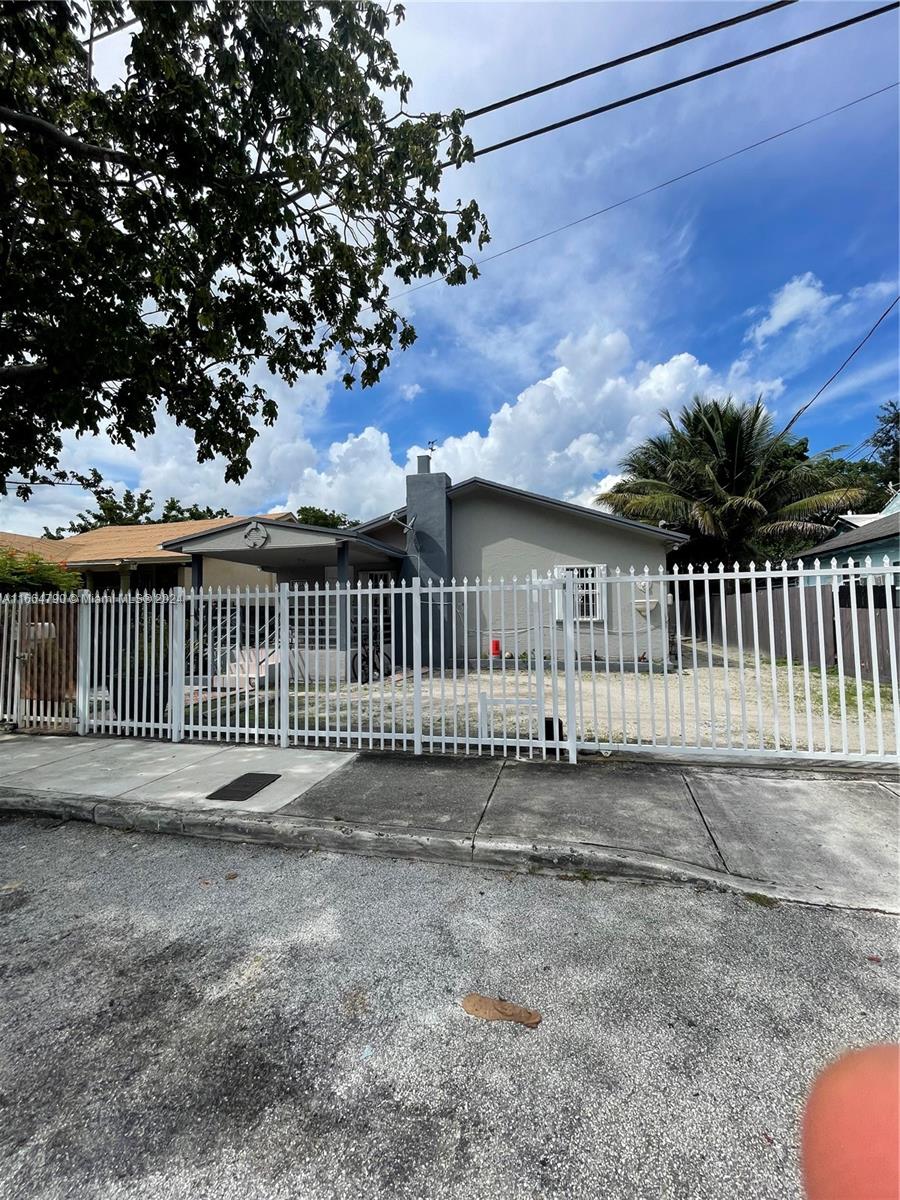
x=821, y=502
x=796, y=529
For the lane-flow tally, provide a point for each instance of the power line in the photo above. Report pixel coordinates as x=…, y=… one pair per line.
x=856, y=349
x=627, y=58
x=658, y=186
x=676, y=83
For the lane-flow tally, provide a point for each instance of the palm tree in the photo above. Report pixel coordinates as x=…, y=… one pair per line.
x=721, y=474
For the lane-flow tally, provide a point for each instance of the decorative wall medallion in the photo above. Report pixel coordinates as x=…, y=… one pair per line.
x=256, y=535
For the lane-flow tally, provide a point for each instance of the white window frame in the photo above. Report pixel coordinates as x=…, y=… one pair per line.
x=597, y=593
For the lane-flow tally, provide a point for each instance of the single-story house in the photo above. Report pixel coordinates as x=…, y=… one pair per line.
x=474, y=530
x=132, y=557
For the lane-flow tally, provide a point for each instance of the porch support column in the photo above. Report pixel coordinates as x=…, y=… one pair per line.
x=197, y=571
x=343, y=579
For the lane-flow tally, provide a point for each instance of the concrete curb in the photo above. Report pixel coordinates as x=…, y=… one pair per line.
x=584, y=861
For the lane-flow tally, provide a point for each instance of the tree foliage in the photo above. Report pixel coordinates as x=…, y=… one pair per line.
x=239, y=203
x=326, y=518
x=174, y=510
x=134, y=508
x=722, y=474
x=27, y=572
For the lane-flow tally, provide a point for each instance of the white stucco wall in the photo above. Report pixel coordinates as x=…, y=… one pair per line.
x=497, y=537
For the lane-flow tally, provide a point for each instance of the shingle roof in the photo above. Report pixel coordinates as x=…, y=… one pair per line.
x=139, y=543
x=48, y=548
x=885, y=527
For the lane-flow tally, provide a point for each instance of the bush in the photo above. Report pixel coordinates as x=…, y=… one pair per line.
x=30, y=573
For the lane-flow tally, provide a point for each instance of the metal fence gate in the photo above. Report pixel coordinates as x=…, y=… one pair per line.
x=797, y=662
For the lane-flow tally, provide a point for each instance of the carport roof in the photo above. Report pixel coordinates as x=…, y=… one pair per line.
x=295, y=542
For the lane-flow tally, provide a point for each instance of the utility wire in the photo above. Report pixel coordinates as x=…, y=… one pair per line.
x=856, y=349
x=627, y=58
x=676, y=83
x=657, y=187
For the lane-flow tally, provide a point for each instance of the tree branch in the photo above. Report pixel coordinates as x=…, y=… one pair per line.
x=27, y=123
x=21, y=371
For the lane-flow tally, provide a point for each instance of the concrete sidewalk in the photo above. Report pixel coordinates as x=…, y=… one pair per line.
x=799, y=835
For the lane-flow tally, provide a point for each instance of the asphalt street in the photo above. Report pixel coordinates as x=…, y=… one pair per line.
x=187, y=1018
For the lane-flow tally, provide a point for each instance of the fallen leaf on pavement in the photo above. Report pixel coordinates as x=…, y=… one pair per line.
x=495, y=1008
x=231, y=875
x=875, y=958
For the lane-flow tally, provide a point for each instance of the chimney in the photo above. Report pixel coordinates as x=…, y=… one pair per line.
x=429, y=542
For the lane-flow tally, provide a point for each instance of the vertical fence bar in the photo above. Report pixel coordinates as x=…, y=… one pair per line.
x=569, y=649
x=417, y=663
x=729, y=742
x=678, y=652
x=664, y=640
x=890, y=582
x=692, y=601
x=839, y=655
x=873, y=659
x=807, y=693
x=773, y=664
x=757, y=658
x=83, y=668
x=789, y=652
x=708, y=634
x=605, y=610
x=739, y=630
x=284, y=663
x=647, y=618
x=394, y=665
x=176, y=665
x=490, y=640
x=857, y=657
x=634, y=654
x=823, y=671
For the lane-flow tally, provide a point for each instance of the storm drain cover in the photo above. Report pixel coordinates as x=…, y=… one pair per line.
x=243, y=787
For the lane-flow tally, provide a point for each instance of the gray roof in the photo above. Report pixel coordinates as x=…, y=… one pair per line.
x=580, y=510
x=874, y=531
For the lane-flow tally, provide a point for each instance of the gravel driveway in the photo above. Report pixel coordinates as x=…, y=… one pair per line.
x=194, y=1019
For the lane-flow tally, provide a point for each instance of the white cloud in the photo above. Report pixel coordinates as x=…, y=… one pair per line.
x=409, y=391
x=802, y=300
x=562, y=435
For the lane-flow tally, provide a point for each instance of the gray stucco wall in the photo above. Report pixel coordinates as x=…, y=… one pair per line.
x=495, y=537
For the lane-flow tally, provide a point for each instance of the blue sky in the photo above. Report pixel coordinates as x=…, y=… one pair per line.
x=757, y=276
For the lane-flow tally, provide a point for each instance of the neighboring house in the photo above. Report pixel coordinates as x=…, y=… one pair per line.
x=873, y=539
x=46, y=548
x=475, y=530
x=131, y=557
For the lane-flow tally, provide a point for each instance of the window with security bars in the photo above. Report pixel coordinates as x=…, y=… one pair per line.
x=590, y=589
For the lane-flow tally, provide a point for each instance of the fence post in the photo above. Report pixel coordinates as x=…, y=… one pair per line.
x=176, y=664
x=537, y=620
x=83, y=661
x=417, y=663
x=569, y=652
x=284, y=665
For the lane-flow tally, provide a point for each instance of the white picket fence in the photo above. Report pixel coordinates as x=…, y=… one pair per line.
x=797, y=662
